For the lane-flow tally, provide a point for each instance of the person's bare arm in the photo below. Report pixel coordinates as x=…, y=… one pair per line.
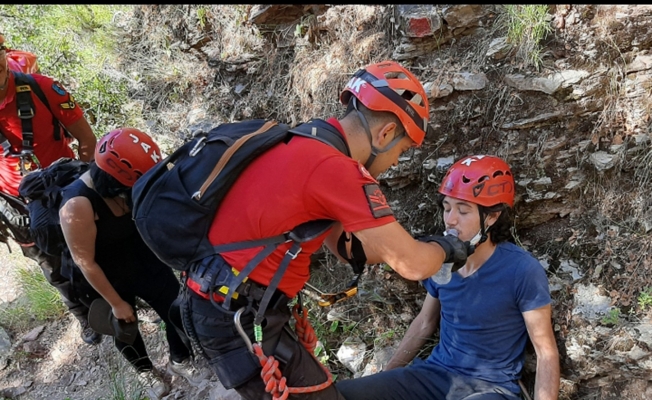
x=410, y=258
x=79, y=230
x=539, y=327
x=82, y=131
x=419, y=332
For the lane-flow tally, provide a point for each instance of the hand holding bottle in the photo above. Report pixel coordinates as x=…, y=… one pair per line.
x=456, y=253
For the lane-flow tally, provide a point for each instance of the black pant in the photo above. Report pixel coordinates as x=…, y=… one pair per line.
x=158, y=287
x=237, y=367
x=51, y=267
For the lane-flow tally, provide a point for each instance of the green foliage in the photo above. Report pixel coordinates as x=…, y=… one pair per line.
x=76, y=45
x=201, y=16
x=527, y=25
x=321, y=354
x=386, y=338
x=122, y=382
x=44, y=300
x=15, y=316
x=612, y=317
x=645, y=298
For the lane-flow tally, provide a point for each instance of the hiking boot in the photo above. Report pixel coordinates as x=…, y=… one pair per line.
x=152, y=384
x=188, y=370
x=88, y=335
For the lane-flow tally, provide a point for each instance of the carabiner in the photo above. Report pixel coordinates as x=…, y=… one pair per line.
x=238, y=326
x=198, y=146
x=26, y=161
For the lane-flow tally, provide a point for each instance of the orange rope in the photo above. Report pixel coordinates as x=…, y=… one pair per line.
x=304, y=330
x=275, y=382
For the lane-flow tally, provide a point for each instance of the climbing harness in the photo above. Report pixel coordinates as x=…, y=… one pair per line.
x=275, y=382
x=25, y=86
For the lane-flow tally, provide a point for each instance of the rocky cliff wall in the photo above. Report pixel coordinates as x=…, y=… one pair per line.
x=575, y=128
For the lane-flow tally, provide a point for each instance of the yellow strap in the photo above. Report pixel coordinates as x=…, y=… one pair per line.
x=225, y=289
x=23, y=88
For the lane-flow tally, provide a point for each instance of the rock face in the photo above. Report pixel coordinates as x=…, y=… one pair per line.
x=575, y=128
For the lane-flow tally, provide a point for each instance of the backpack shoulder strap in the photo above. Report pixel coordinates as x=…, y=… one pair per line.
x=25, y=107
x=316, y=129
x=21, y=80
x=324, y=132
x=27, y=79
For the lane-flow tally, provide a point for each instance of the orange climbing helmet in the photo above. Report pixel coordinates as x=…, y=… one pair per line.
x=387, y=86
x=19, y=60
x=126, y=154
x=480, y=179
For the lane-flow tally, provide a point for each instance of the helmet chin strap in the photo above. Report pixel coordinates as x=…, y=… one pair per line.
x=481, y=236
x=374, y=150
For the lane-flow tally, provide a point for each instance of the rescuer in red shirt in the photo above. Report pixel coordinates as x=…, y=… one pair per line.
x=48, y=143
x=294, y=182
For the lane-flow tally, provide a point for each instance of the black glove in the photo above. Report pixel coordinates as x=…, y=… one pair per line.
x=456, y=250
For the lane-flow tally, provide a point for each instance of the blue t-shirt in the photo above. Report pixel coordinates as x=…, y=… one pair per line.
x=482, y=331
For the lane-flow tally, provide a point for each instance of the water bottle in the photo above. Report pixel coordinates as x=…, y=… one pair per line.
x=443, y=276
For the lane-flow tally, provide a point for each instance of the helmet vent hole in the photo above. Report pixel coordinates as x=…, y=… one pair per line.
x=465, y=179
x=483, y=178
x=395, y=75
x=498, y=173
x=127, y=163
x=417, y=99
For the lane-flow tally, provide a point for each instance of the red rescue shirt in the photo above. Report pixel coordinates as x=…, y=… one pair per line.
x=46, y=148
x=290, y=184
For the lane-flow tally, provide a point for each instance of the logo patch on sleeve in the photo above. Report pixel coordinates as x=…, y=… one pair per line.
x=366, y=173
x=68, y=105
x=58, y=89
x=377, y=201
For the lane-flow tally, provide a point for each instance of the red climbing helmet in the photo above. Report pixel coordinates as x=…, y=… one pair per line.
x=126, y=154
x=19, y=60
x=484, y=180
x=387, y=86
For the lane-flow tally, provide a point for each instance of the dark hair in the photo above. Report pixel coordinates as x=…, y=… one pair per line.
x=105, y=184
x=501, y=230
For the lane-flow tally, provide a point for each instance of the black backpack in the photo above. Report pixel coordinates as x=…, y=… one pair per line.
x=41, y=189
x=174, y=202
x=14, y=220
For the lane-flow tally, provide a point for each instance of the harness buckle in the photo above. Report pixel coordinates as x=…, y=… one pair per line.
x=25, y=113
x=293, y=255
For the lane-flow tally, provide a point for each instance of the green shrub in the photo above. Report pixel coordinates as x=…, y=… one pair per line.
x=645, y=298
x=75, y=44
x=527, y=25
x=612, y=317
x=44, y=301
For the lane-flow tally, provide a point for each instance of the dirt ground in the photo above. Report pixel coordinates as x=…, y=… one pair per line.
x=58, y=365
